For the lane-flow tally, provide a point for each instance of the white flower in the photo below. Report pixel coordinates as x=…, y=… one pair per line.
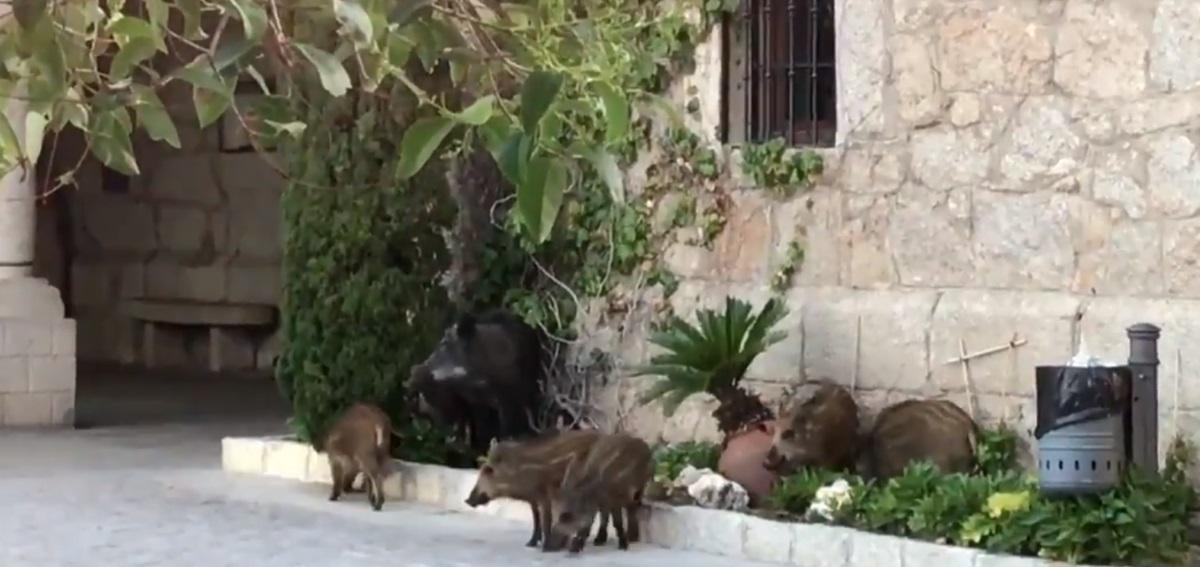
x=830, y=499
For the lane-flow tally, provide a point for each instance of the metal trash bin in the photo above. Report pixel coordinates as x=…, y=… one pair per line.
x=1083, y=425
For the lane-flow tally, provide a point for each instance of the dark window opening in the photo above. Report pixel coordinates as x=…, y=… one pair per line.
x=780, y=79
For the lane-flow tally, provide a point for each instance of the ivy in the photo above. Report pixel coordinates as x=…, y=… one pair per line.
x=773, y=167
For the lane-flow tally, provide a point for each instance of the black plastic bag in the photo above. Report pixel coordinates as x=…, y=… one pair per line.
x=1067, y=395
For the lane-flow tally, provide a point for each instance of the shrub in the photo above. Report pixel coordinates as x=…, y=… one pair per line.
x=670, y=460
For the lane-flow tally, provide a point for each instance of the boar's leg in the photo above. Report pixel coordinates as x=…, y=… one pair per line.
x=632, y=528
x=619, y=525
x=339, y=478
x=372, y=481
x=602, y=533
x=537, y=525
x=549, y=541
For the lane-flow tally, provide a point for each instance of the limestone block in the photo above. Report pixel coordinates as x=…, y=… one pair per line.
x=1174, y=175
x=117, y=222
x=965, y=110
x=168, y=280
x=51, y=373
x=29, y=298
x=873, y=168
x=17, y=219
x=665, y=526
x=456, y=486
x=874, y=549
x=892, y=341
x=1128, y=262
x=230, y=349
x=985, y=319
x=285, y=459
x=742, y=249
x=318, y=468
x=62, y=407
x=27, y=409
x=27, y=337
x=918, y=552
x=1176, y=41
x=914, y=14
x=921, y=100
x=427, y=488
x=861, y=52
x=1153, y=114
x=1023, y=241
x=1182, y=257
x=1102, y=49
x=270, y=348
x=718, y=532
x=814, y=221
x=945, y=158
x=927, y=235
x=783, y=361
x=14, y=375
x=64, y=337
x=1119, y=179
x=255, y=283
x=186, y=179
x=1043, y=145
x=1001, y=48
x=182, y=229
x=688, y=261
x=816, y=545
x=240, y=173
x=768, y=541
x=693, y=421
x=91, y=284
x=868, y=262
x=255, y=220
x=243, y=454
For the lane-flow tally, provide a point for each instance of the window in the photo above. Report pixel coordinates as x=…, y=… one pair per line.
x=779, y=73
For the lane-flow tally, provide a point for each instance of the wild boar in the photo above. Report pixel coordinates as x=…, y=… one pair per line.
x=532, y=471
x=935, y=430
x=611, y=478
x=359, y=441
x=486, y=375
x=819, y=432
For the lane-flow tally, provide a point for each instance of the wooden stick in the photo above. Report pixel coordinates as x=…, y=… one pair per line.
x=966, y=372
x=964, y=356
x=857, y=353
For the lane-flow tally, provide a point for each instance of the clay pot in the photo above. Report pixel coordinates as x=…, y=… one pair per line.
x=742, y=457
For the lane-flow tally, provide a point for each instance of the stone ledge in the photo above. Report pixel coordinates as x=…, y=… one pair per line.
x=685, y=528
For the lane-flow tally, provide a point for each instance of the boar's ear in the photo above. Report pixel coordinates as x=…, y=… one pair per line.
x=465, y=328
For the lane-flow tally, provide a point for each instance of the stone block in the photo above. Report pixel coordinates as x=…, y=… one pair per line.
x=923, y=553
x=1175, y=43
x=14, y=375
x=427, y=485
x=91, y=284
x=1119, y=179
x=813, y=221
x=230, y=349
x=768, y=541
x=1174, y=173
x=285, y=459
x=457, y=485
x=741, y=252
x=255, y=221
x=241, y=173
x=688, y=261
x=108, y=336
x=1023, y=241
x=27, y=337
x=667, y=526
x=1102, y=49
x=998, y=49
x=996, y=560
x=117, y=222
x=51, y=373
x=1127, y=262
x=64, y=337
x=167, y=280
x=186, y=179
x=268, y=350
x=62, y=408
x=985, y=319
x=816, y=545
x=255, y=283
x=29, y=298
x=243, y=454
x=920, y=100
x=891, y=339
x=28, y=409
x=182, y=229
x=927, y=233
x=1044, y=147
x=394, y=485
x=1153, y=114
x=1182, y=258
x=318, y=468
x=783, y=361
x=875, y=549
x=945, y=158
x=693, y=421
x=717, y=532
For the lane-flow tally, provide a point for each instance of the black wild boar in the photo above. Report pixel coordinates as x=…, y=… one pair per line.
x=486, y=375
x=611, y=478
x=532, y=471
x=359, y=441
x=820, y=432
x=914, y=430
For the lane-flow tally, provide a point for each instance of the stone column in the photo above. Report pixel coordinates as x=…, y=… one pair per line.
x=37, y=342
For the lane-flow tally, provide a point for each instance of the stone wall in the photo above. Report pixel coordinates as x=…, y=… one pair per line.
x=1025, y=167
x=200, y=224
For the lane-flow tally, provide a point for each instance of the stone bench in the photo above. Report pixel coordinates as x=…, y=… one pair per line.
x=218, y=317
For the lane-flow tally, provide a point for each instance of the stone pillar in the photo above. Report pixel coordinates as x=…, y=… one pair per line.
x=37, y=342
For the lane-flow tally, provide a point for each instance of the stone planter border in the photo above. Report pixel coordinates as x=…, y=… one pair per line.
x=690, y=528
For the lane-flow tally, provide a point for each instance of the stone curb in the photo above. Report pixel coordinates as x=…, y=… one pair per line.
x=688, y=528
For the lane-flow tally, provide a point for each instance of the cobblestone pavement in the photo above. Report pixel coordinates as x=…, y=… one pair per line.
x=155, y=495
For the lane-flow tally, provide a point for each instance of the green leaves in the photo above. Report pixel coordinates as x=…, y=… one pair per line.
x=212, y=94
x=131, y=54
x=109, y=132
x=478, y=113
x=355, y=19
x=538, y=93
x=253, y=17
x=606, y=165
x=35, y=132
x=333, y=75
x=153, y=117
x=540, y=196
x=28, y=12
x=420, y=141
x=616, y=112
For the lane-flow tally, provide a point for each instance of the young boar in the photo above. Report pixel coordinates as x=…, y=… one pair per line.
x=532, y=471
x=359, y=441
x=935, y=430
x=820, y=432
x=611, y=478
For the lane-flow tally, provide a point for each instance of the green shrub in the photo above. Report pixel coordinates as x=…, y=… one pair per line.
x=670, y=460
x=795, y=493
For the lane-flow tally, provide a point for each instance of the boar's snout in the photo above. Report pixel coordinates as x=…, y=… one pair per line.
x=477, y=498
x=773, y=460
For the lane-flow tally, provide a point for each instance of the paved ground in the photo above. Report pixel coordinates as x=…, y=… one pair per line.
x=151, y=492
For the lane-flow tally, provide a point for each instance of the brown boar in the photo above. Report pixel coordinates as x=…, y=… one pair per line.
x=914, y=430
x=532, y=471
x=611, y=478
x=819, y=432
x=359, y=441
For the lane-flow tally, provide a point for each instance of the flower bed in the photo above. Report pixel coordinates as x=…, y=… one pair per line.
x=675, y=527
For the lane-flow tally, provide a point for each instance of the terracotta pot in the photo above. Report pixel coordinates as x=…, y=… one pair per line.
x=742, y=458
